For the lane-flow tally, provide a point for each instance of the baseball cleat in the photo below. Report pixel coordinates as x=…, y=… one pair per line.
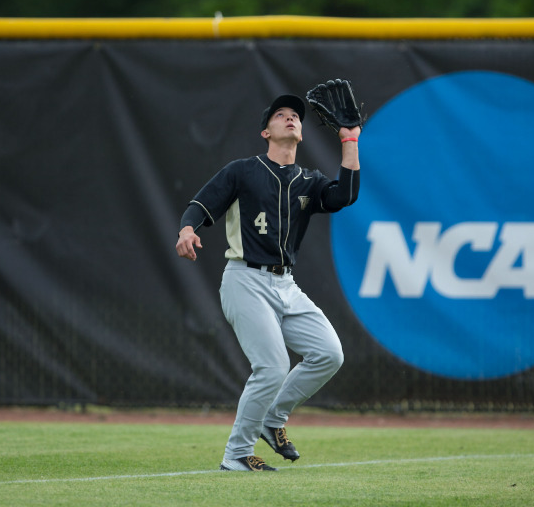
x=246, y=464
x=277, y=439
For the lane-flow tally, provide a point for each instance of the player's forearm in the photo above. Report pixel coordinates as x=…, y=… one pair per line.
x=349, y=154
x=193, y=216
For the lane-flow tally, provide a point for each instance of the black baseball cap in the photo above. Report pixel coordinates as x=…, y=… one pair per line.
x=292, y=101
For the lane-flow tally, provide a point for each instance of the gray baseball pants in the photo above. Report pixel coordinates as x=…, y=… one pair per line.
x=268, y=313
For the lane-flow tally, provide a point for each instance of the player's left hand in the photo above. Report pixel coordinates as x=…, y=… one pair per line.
x=350, y=132
x=335, y=104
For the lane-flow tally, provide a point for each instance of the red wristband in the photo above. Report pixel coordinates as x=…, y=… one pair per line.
x=355, y=139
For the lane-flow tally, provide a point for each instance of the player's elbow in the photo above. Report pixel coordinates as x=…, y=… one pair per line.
x=339, y=200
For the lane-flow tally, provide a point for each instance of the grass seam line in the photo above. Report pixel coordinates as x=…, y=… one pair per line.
x=321, y=465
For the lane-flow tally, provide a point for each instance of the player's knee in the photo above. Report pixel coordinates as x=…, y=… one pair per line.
x=332, y=358
x=328, y=361
x=335, y=359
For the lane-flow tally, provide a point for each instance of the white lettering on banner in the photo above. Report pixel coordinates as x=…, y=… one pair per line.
x=434, y=256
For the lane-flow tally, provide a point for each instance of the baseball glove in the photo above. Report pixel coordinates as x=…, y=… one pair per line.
x=335, y=104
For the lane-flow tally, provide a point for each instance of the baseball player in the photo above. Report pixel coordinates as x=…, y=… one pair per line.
x=268, y=201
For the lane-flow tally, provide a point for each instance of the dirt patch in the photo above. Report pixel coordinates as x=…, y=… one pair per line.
x=303, y=417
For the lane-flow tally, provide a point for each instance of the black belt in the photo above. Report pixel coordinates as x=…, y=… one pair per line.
x=276, y=269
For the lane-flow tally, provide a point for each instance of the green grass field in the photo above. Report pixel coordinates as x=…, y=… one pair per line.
x=82, y=464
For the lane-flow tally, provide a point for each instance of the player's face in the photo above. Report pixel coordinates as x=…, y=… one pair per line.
x=285, y=124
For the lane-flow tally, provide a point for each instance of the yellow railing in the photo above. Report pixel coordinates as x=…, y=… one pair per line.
x=265, y=27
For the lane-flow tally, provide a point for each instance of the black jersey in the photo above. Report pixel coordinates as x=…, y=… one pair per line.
x=268, y=206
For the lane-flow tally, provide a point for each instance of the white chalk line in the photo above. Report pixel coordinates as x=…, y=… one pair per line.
x=293, y=467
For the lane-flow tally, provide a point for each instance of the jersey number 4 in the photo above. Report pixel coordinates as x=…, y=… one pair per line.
x=261, y=222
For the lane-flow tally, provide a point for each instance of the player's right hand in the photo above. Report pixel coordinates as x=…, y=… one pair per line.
x=187, y=242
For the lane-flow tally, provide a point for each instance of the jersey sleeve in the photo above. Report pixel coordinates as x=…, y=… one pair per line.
x=218, y=194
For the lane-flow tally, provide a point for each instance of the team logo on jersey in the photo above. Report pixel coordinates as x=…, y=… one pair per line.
x=436, y=258
x=304, y=201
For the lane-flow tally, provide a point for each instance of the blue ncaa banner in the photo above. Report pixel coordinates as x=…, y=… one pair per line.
x=437, y=258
